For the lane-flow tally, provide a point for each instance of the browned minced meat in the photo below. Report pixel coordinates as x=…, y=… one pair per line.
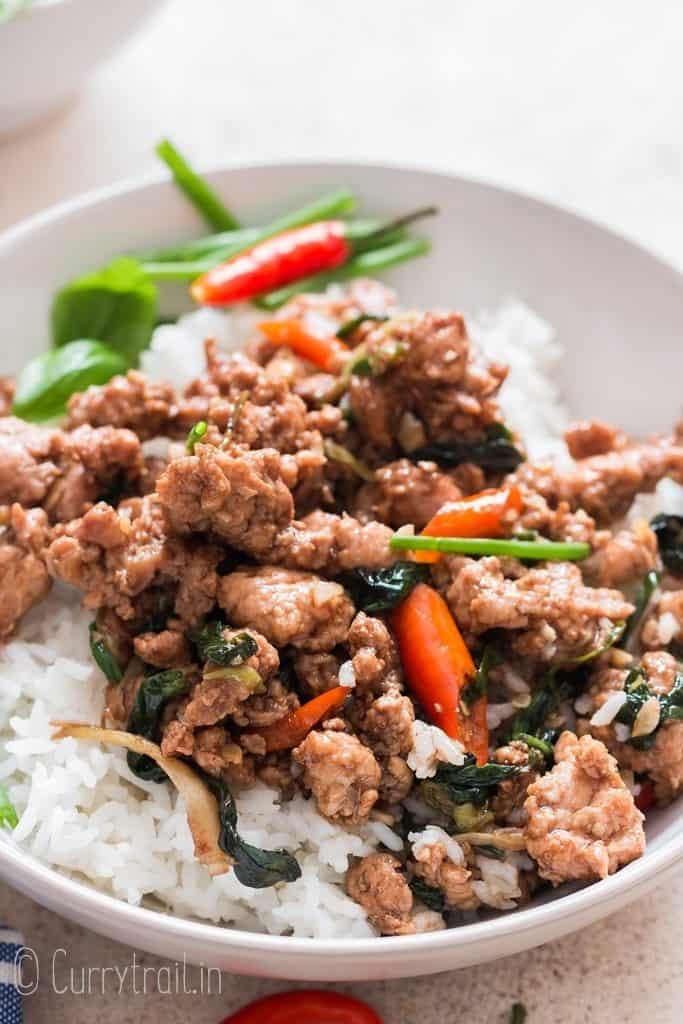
x=376, y=663
x=605, y=485
x=288, y=607
x=7, y=389
x=663, y=762
x=360, y=296
x=405, y=492
x=621, y=557
x=397, y=780
x=551, y=614
x=331, y=544
x=384, y=722
x=454, y=881
x=663, y=624
x=317, y=670
x=63, y=472
x=24, y=579
x=240, y=497
x=167, y=649
x=426, y=366
x=582, y=821
x=378, y=884
x=592, y=437
x=133, y=401
x=116, y=556
x=341, y=773
x=508, y=800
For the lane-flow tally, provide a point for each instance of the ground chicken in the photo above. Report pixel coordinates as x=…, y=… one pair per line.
x=397, y=780
x=405, y=492
x=167, y=649
x=239, y=497
x=621, y=558
x=553, y=616
x=592, y=437
x=582, y=821
x=341, y=773
x=331, y=544
x=605, y=485
x=425, y=366
x=385, y=723
x=133, y=401
x=378, y=884
x=24, y=580
x=375, y=659
x=318, y=671
x=507, y=803
x=434, y=867
x=288, y=607
x=663, y=762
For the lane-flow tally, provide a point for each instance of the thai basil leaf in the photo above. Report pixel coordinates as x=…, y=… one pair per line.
x=480, y=684
x=496, y=452
x=348, y=328
x=254, y=867
x=668, y=530
x=637, y=693
x=427, y=894
x=145, y=718
x=212, y=645
x=104, y=658
x=471, y=783
x=117, y=305
x=46, y=383
x=377, y=590
x=8, y=814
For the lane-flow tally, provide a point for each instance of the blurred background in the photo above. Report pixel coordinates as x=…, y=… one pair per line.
x=577, y=103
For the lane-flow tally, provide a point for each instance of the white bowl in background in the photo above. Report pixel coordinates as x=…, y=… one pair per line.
x=50, y=47
x=618, y=311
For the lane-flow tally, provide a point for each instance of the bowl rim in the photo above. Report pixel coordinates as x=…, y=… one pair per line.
x=36, y=875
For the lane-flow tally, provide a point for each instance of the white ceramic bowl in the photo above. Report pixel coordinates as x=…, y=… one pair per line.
x=49, y=48
x=618, y=311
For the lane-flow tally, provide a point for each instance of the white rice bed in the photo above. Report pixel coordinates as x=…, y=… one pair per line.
x=81, y=809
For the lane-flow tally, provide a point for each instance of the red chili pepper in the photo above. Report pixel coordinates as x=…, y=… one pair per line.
x=438, y=666
x=480, y=515
x=305, y=1007
x=646, y=796
x=289, y=257
x=328, y=353
x=289, y=731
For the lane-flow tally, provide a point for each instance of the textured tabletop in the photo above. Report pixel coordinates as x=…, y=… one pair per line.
x=573, y=104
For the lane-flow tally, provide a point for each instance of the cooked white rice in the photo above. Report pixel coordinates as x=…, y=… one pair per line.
x=84, y=813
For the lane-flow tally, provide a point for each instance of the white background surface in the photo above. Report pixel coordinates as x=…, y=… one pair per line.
x=579, y=103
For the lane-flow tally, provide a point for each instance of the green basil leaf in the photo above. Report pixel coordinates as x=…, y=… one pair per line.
x=427, y=894
x=377, y=590
x=103, y=656
x=495, y=452
x=117, y=305
x=45, y=384
x=145, y=718
x=471, y=783
x=212, y=645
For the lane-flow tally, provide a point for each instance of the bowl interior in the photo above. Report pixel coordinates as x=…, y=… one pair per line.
x=616, y=308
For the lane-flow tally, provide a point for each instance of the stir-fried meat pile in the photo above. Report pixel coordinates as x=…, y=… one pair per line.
x=251, y=574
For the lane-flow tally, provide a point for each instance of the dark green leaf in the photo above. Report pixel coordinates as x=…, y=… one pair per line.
x=637, y=693
x=8, y=815
x=145, y=718
x=645, y=592
x=668, y=530
x=496, y=452
x=116, y=305
x=471, y=783
x=427, y=894
x=45, y=384
x=212, y=645
x=348, y=328
x=377, y=590
x=254, y=867
x=494, y=852
x=480, y=684
x=195, y=436
x=104, y=658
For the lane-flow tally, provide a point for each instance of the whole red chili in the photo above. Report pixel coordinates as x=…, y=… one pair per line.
x=291, y=256
x=308, y=1006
